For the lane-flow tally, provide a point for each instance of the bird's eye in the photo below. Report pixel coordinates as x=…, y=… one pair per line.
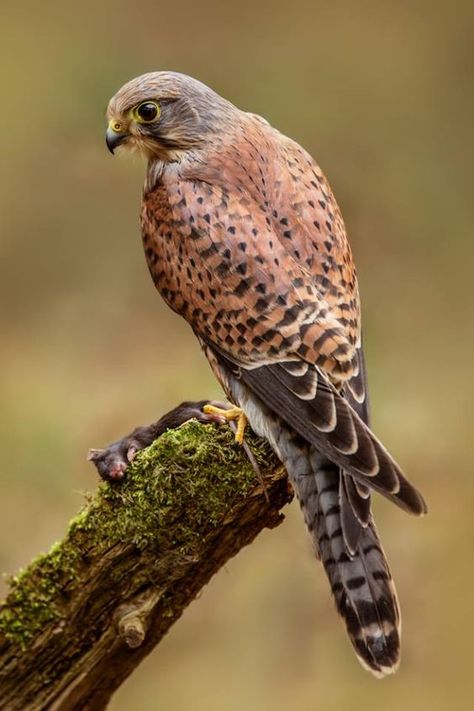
x=147, y=112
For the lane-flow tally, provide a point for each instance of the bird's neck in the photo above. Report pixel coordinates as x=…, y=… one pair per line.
x=154, y=173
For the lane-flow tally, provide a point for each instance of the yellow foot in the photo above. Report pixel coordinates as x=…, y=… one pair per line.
x=233, y=413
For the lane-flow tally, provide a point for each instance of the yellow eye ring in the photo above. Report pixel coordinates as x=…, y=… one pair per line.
x=146, y=112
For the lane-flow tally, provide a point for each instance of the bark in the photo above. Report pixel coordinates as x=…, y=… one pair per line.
x=78, y=620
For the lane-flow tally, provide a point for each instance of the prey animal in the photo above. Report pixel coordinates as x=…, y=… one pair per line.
x=244, y=239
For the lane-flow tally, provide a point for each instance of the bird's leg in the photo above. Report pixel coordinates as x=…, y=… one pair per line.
x=233, y=413
x=237, y=422
x=112, y=461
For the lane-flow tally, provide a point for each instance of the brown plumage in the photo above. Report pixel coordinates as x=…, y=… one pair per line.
x=244, y=239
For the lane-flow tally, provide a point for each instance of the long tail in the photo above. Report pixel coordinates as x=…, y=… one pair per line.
x=336, y=509
x=360, y=578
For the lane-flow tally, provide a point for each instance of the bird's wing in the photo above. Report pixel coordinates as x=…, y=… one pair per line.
x=308, y=223
x=318, y=237
x=311, y=226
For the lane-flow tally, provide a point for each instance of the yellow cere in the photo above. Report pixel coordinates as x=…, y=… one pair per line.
x=115, y=125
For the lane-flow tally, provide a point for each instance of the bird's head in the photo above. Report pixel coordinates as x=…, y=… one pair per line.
x=163, y=114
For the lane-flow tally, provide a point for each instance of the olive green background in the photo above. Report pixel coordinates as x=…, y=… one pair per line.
x=381, y=93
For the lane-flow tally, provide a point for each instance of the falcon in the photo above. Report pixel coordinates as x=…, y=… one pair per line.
x=244, y=239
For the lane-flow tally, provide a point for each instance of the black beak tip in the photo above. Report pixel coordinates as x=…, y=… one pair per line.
x=114, y=139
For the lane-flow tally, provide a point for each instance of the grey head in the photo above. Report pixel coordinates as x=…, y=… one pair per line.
x=163, y=114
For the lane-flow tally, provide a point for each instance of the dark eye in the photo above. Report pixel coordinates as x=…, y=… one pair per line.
x=147, y=112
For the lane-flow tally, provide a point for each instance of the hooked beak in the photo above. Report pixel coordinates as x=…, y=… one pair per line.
x=114, y=138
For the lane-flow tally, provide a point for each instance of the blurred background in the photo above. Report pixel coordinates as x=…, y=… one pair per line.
x=382, y=95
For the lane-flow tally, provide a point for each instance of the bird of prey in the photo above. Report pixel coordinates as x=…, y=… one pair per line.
x=244, y=239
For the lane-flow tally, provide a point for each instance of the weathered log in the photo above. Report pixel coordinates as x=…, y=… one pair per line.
x=79, y=619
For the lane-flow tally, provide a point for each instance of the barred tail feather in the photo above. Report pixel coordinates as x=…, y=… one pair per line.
x=361, y=582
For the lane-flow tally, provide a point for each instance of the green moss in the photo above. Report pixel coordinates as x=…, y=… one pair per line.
x=181, y=485
x=30, y=604
x=175, y=492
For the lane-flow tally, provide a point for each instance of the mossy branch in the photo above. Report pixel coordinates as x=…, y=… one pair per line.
x=78, y=620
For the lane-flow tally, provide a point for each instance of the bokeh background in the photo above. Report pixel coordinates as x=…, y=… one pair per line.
x=382, y=94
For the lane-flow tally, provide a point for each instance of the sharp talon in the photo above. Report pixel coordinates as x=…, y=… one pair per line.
x=253, y=462
x=233, y=413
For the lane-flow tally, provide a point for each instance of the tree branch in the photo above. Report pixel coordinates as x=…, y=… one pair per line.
x=78, y=620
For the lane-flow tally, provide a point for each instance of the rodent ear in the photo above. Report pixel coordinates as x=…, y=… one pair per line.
x=93, y=455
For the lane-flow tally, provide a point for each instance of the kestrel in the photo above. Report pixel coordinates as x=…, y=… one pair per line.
x=244, y=239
